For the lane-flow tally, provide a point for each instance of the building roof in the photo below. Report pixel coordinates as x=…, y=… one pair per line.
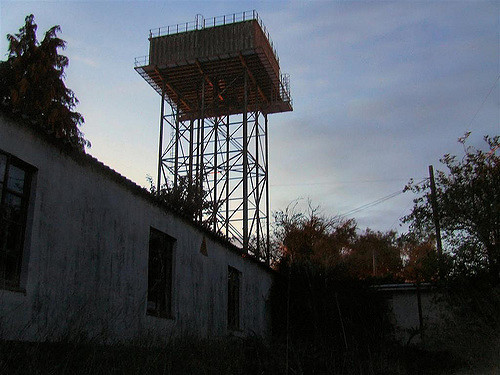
x=404, y=287
x=84, y=158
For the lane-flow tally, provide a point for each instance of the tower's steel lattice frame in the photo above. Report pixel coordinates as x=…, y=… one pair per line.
x=219, y=98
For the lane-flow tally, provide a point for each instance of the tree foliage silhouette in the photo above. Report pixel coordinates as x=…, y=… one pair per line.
x=321, y=301
x=375, y=254
x=32, y=84
x=468, y=198
x=187, y=199
x=334, y=243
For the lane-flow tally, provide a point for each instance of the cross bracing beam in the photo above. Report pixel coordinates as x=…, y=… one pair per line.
x=225, y=154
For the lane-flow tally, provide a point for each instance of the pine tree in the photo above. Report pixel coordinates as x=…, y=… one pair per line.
x=32, y=84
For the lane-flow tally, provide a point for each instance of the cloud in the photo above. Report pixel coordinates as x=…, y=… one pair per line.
x=381, y=89
x=86, y=60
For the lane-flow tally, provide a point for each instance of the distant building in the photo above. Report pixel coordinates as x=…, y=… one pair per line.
x=85, y=251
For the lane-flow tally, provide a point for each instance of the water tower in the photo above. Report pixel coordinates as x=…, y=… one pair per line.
x=221, y=79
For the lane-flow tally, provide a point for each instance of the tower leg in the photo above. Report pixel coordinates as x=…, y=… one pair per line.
x=202, y=145
x=245, y=166
x=190, y=155
x=177, y=140
x=227, y=176
x=266, y=166
x=216, y=171
x=257, y=187
x=160, y=147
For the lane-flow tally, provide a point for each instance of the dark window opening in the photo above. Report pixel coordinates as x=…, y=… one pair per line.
x=233, y=298
x=161, y=248
x=15, y=183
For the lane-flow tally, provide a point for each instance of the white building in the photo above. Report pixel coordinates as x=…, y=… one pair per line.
x=84, y=251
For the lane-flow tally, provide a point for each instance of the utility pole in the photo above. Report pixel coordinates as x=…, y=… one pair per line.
x=437, y=226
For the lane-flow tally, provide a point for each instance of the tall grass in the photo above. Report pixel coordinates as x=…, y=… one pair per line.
x=180, y=356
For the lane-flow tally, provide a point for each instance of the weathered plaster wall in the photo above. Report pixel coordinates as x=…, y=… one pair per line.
x=402, y=301
x=86, y=258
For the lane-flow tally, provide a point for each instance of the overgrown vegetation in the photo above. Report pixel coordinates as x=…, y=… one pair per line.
x=470, y=332
x=468, y=201
x=332, y=324
x=231, y=356
x=323, y=309
x=468, y=204
x=326, y=317
x=337, y=245
x=186, y=198
x=180, y=356
x=330, y=318
x=32, y=85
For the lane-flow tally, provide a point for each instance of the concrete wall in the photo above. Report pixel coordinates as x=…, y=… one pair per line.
x=85, y=260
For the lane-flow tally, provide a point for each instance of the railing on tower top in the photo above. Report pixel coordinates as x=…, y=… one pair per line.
x=141, y=61
x=201, y=23
x=284, y=88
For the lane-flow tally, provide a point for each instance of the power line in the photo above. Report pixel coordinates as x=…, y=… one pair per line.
x=400, y=216
x=372, y=204
x=484, y=101
x=376, y=202
x=341, y=182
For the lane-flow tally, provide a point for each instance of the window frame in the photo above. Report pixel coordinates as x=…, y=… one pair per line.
x=25, y=197
x=233, y=298
x=161, y=295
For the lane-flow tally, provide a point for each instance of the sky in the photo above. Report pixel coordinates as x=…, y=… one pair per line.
x=381, y=90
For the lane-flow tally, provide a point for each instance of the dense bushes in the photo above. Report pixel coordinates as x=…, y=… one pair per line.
x=332, y=323
x=181, y=356
x=470, y=332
